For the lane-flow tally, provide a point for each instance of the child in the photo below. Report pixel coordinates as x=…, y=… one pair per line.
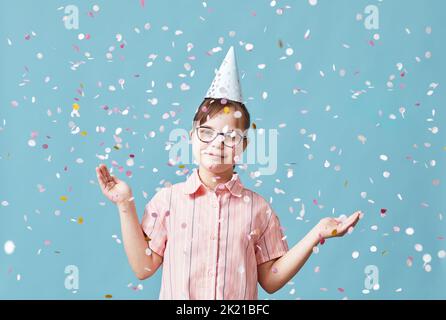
x=215, y=238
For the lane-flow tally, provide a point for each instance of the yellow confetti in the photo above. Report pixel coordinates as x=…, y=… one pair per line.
x=64, y=198
x=226, y=110
x=254, y=126
x=108, y=296
x=75, y=106
x=116, y=147
x=83, y=133
x=80, y=220
x=334, y=232
x=181, y=166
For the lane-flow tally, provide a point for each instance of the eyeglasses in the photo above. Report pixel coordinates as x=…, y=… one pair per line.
x=230, y=138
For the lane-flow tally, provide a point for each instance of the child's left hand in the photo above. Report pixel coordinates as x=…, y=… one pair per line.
x=332, y=227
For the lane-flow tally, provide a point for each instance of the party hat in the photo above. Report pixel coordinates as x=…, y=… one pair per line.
x=226, y=83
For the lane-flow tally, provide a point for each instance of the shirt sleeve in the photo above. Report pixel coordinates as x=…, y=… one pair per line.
x=153, y=223
x=271, y=243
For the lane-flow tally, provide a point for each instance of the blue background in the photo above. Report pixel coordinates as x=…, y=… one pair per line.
x=338, y=40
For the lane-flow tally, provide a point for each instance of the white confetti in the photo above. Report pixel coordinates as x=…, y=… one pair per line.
x=410, y=231
x=9, y=247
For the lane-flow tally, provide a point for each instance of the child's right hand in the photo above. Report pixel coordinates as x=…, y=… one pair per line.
x=114, y=189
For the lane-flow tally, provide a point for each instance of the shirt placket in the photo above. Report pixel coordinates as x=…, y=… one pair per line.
x=217, y=212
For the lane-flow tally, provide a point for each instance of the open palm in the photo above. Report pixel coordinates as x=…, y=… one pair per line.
x=114, y=189
x=332, y=227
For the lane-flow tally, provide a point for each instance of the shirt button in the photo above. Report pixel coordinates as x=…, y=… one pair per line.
x=213, y=237
x=211, y=273
x=221, y=186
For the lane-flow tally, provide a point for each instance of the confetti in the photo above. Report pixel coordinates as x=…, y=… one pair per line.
x=9, y=247
x=362, y=139
x=249, y=47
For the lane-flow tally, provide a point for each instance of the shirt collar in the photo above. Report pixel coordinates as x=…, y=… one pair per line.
x=193, y=183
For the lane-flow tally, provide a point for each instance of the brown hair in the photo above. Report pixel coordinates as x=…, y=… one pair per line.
x=211, y=106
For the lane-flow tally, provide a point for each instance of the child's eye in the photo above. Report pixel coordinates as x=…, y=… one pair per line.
x=206, y=134
x=206, y=131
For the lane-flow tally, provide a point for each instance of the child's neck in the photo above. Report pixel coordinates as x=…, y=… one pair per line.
x=211, y=180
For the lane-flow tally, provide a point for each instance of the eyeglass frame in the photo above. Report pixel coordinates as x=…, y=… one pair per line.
x=244, y=137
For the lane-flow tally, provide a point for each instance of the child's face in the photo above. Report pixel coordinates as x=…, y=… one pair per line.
x=215, y=156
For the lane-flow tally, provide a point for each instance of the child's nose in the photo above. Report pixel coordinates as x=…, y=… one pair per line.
x=218, y=142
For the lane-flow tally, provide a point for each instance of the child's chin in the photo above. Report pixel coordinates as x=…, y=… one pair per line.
x=218, y=167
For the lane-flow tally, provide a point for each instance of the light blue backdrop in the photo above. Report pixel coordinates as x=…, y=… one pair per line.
x=343, y=106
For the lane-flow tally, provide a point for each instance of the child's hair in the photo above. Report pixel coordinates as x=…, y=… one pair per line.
x=210, y=107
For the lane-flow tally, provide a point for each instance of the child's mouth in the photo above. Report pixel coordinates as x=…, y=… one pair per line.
x=216, y=156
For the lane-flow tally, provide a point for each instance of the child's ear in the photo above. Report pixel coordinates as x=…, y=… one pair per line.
x=245, y=143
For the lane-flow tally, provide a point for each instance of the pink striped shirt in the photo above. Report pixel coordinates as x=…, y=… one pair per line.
x=211, y=241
